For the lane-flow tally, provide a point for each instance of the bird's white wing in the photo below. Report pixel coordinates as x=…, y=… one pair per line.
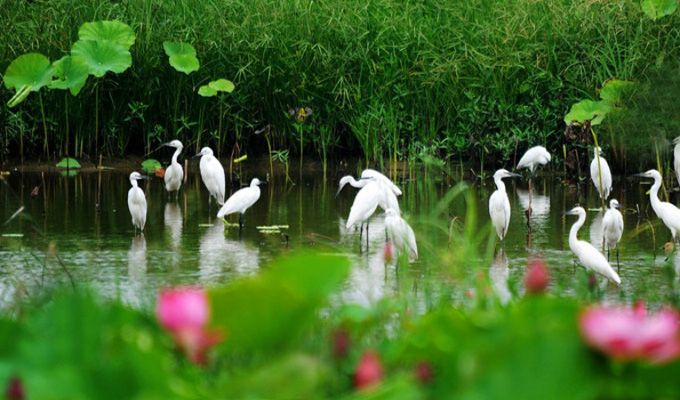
x=213, y=177
x=499, y=211
x=173, y=177
x=594, y=260
x=239, y=201
x=365, y=203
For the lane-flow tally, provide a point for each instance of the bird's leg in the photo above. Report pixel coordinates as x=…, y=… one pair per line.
x=366, y=235
x=618, y=266
x=608, y=252
x=209, y=203
x=240, y=223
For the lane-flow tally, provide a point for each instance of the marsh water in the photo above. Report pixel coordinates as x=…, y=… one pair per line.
x=61, y=236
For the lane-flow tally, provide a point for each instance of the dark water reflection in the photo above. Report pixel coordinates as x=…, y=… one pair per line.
x=183, y=244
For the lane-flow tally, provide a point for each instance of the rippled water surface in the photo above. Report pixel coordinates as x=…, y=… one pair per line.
x=60, y=234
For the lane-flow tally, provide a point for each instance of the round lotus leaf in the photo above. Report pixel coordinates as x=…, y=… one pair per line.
x=71, y=73
x=588, y=109
x=184, y=63
x=615, y=89
x=151, y=165
x=113, y=31
x=30, y=69
x=178, y=48
x=207, y=91
x=222, y=85
x=658, y=8
x=68, y=163
x=103, y=56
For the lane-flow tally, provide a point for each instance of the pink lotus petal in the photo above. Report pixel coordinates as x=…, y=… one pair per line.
x=369, y=371
x=632, y=334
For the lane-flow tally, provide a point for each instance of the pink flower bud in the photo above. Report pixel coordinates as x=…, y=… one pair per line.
x=184, y=313
x=369, y=371
x=388, y=252
x=341, y=343
x=423, y=372
x=15, y=389
x=180, y=309
x=537, y=277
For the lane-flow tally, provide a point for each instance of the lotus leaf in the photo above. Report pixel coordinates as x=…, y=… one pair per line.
x=588, y=109
x=222, y=85
x=207, y=91
x=72, y=163
x=658, y=8
x=151, y=165
x=112, y=31
x=103, y=56
x=614, y=90
x=19, y=96
x=30, y=69
x=72, y=73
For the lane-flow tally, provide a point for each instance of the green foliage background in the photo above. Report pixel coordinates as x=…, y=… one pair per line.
x=475, y=77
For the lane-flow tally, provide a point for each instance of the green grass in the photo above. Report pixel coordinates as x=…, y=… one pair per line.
x=479, y=77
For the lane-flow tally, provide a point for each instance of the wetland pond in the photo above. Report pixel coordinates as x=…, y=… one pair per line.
x=59, y=235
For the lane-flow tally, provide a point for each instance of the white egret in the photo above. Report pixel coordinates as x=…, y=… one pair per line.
x=241, y=201
x=388, y=198
x=669, y=214
x=606, y=187
x=365, y=203
x=535, y=156
x=612, y=227
x=174, y=174
x=212, y=174
x=676, y=157
x=401, y=234
x=371, y=173
x=137, y=201
x=499, y=204
x=586, y=253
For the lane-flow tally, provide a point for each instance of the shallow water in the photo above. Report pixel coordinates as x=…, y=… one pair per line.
x=61, y=231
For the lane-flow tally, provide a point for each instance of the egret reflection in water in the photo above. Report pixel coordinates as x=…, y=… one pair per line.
x=498, y=273
x=221, y=257
x=172, y=216
x=137, y=266
x=596, y=234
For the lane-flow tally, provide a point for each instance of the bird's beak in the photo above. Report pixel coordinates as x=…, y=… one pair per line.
x=619, y=205
x=166, y=144
x=197, y=155
x=514, y=175
x=638, y=175
x=570, y=212
x=146, y=177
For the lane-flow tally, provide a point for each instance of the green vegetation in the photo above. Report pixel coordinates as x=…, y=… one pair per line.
x=475, y=79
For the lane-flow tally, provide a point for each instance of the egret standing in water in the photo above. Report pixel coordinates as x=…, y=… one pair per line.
x=586, y=253
x=499, y=204
x=365, y=203
x=534, y=157
x=401, y=234
x=174, y=174
x=137, y=202
x=669, y=214
x=212, y=174
x=241, y=201
x=612, y=228
x=387, y=197
x=604, y=186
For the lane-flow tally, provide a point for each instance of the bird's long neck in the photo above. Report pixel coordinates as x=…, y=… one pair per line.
x=133, y=182
x=499, y=183
x=573, y=238
x=654, y=194
x=174, y=156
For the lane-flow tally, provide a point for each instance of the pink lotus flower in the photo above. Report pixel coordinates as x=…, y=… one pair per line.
x=627, y=334
x=388, y=252
x=184, y=312
x=537, y=277
x=369, y=371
